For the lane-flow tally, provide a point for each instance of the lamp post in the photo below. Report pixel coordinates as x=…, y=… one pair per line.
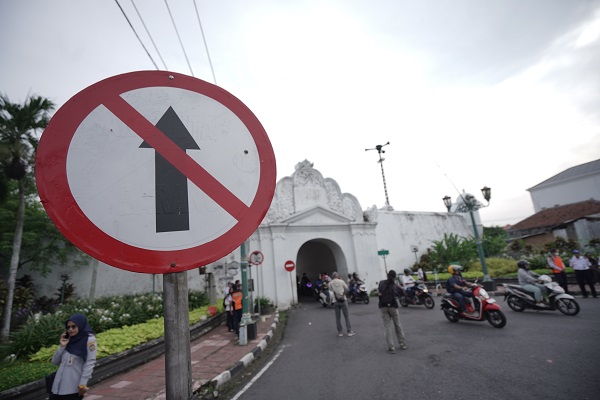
x=469, y=205
x=381, y=160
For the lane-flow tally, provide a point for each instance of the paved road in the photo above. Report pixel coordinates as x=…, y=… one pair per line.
x=543, y=355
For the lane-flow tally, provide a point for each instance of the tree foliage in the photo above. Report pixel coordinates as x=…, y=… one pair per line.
x=453, y=248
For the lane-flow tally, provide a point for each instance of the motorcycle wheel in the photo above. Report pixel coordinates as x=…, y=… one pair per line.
x=428, y=302
x=515, y=303
x=567, y=306
x=403, y=301
x=496, y=318
x=450, y=316
x=324, y=304
x=366, y=299
x=352, y=299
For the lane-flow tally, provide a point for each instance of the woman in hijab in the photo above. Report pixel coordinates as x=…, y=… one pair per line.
x=77, y=358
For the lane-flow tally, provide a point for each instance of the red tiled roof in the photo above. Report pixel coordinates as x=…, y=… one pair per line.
x=558, y=215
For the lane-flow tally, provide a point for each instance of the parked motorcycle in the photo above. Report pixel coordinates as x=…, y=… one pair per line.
x=325, y=296
x=486, y=308
x=360, y=295
x=520, y=299
x=421, y=296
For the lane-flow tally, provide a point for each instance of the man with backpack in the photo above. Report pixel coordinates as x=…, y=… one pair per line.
x=388, y=305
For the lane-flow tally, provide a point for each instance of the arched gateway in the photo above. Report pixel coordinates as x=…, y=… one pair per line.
x=312, y=223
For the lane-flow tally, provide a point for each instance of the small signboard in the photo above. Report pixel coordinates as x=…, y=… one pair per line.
x=289, y=265
x=256, y=258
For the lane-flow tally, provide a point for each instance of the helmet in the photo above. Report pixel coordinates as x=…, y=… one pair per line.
x=522, y=264
x=406, y=271
x=453, y=268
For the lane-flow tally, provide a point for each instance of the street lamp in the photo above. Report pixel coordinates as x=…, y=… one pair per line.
x=469, y=205
x=381, y=160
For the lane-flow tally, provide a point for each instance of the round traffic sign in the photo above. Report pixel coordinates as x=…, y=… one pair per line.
x=256, y=257
x=155, y=171
x=289, y=265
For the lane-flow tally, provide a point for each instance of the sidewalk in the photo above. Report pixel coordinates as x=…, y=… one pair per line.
x=215, y=356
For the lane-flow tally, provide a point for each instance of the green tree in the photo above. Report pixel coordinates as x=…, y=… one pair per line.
x=453, y=248
x=494, y=241
x=19, y=126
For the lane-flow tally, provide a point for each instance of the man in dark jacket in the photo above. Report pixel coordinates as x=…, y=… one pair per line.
x=388, y=305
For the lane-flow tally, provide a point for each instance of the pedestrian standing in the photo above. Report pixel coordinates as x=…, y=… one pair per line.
x=339, y=288
x=228, y=304
x=557, y=266
x=236, y=297
x=388, y=305
x=76, y=356
x=594, y=267
x=583, y=273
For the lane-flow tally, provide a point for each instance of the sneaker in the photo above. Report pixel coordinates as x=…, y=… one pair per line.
x=351, y=333
x=340, y=334
x=391, y=350
x=403, y=347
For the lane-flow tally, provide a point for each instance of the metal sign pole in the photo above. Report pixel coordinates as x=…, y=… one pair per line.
x=178, y=357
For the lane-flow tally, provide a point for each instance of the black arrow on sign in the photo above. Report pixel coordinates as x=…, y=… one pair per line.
x=172, y=210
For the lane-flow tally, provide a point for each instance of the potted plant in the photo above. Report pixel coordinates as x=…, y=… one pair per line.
x=265, y=305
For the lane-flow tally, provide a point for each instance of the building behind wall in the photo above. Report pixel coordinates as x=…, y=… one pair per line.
x=312, y=223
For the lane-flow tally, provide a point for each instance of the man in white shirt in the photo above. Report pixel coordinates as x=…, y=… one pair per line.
x=408, y=282
x=583, y=273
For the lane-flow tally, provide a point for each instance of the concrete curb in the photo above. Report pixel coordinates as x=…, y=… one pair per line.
x=226, y=375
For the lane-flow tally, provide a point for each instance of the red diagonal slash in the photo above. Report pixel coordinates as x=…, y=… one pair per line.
x=176, y=156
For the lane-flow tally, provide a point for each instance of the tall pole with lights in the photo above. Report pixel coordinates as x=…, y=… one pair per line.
x=469, y=205
x=381, y=160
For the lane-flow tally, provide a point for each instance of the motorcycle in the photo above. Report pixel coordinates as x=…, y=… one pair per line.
x=325, y=296
x=520, y=299
x=486, y=308
x=360, y=294
x=421, y=296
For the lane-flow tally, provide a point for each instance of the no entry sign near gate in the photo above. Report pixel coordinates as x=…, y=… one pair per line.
x=289, y=265
x=155, y=172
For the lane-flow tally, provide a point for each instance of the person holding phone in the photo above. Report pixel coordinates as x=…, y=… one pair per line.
x=76, y=357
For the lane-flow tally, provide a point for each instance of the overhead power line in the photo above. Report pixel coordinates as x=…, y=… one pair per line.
x=179, y=37
x=205, y=45
x=149, y=35
x=136, y=35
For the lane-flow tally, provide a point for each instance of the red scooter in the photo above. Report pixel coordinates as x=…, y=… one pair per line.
x=484, y=308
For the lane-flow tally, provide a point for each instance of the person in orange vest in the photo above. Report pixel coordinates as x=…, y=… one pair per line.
x=236, y=297
x=557, y=266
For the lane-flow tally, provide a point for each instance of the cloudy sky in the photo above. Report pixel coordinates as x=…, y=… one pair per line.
x=469, y=93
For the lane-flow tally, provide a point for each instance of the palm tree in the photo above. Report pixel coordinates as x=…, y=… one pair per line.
x=19, y=125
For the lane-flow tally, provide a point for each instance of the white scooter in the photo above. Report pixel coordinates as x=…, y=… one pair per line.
x=520, y=299
x=325, y=295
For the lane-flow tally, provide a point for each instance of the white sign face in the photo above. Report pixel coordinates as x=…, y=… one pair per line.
x=155, y=172
x=113, y=179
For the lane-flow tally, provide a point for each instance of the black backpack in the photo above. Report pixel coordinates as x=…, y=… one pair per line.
x=388, y=295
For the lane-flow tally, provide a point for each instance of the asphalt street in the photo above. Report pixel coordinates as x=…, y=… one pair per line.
x=545, y=355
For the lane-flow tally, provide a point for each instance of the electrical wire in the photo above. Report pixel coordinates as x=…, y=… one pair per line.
x=148, y=32
x=179, y=37
x=205, y=45
x=136, y=35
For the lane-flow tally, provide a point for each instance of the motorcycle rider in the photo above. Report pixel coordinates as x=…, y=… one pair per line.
x=355, y=282
x=456, y=285
x=408, y=283
x=529, y=281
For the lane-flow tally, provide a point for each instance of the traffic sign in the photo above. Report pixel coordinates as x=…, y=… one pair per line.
x=256, y=257
x=289, y=265
x=155, y=172
x=383, y=252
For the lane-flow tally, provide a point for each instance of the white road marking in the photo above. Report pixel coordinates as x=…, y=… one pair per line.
x=262, y=371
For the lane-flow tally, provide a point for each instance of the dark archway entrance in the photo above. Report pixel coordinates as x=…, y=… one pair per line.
x=320, y=256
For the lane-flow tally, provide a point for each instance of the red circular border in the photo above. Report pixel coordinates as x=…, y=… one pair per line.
x=293, y=265
x=257, y=252
x=58, y=200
